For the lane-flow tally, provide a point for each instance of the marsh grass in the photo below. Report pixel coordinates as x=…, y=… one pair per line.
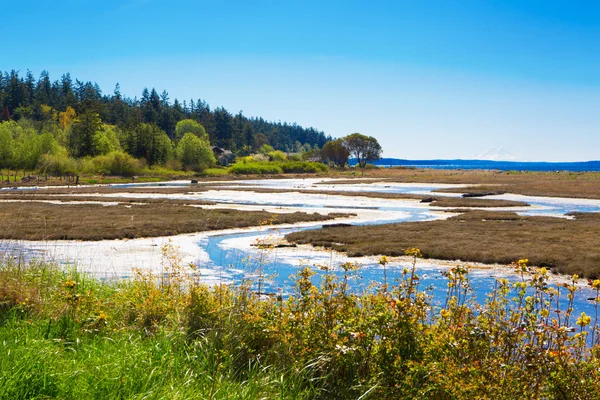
x=44, y=221
x=555, y=184
x=565, y=246
x=168, y=336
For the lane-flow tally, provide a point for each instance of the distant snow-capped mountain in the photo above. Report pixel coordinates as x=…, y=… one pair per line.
x=498, y=154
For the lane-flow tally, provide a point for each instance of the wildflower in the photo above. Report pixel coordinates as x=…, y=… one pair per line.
x=413, y=251
x=102, y=317
x=596, y=284
x=445, y=313
x=383, y=260
x=584, y=320
x=70, y=284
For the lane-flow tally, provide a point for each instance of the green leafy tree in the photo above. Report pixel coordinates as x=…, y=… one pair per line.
x=7, y=145
x=106, y=140
x=364, y=148
x=195, y=153
x=335, y=153
x=30, y=147
x=190, y=126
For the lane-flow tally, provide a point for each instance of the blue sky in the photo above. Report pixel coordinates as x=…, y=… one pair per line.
x=429, y=79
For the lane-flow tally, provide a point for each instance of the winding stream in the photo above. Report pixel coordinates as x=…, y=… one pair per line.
x=229, y=257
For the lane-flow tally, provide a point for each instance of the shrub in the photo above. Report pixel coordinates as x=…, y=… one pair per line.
x=115, y=163
x=303, y=167
x=257, y=158
x=255, y=168
x=290, y=167
x=278, y=156
x=58, y=164
x=174, y=165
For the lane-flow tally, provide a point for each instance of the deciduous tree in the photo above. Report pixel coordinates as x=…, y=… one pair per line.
x=195, y=153
x=364, y=148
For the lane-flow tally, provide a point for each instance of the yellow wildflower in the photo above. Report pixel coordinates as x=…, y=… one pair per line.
x=584, y=319
x=413, y=251
x=70, y=284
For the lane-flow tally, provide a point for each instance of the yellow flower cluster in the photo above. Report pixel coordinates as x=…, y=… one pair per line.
x=70, y=284
x=584, y=319
x=413, y=251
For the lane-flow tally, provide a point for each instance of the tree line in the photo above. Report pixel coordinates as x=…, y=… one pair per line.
x=152, y=117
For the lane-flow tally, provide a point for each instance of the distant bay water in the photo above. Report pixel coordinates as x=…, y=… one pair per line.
x=581, y=166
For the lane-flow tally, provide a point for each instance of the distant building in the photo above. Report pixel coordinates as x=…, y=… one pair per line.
x=223, y=156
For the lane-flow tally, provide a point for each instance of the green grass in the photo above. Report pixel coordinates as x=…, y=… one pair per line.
x=66, y=335
x=215, y=171
x=122, y=364
x=277, y=167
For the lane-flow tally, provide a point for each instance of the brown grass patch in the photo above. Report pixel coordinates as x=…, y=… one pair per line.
x=43, y=221
x=566, y=246
x=438, y=201
x=115, y=199
x=557, y=184
x=53, y=194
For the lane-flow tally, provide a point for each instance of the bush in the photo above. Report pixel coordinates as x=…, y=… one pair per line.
x=255, y=168
x=294, y=167
x=277, y=155
x=303, y=167
x=174, y=165
x=257, y=158
x=57, y=164
x=115, y=163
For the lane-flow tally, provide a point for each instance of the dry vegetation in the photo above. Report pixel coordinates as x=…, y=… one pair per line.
x=437, y=201
x=557, y=184
x=92, y=194
x=567, y=246
x=43, y=221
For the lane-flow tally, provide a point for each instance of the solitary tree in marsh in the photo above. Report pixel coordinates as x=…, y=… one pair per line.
x=364, y=148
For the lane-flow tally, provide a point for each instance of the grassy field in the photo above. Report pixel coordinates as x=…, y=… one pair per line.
x=565, y=246
x=65, y=335
x=44, y=221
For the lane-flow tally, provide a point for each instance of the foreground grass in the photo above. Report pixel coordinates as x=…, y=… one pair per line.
x=566, y=246
x=64, y=335
x=44, y=221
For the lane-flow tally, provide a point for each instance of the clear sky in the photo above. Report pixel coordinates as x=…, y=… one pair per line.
x=428, y=79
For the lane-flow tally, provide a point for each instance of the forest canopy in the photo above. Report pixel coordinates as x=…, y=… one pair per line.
x=43, y=121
